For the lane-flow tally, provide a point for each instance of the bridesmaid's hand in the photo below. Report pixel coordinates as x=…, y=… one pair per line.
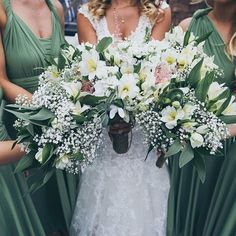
x=232, y=130
x=7, y=154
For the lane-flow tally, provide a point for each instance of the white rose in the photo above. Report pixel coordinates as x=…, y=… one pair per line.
x=196, y=140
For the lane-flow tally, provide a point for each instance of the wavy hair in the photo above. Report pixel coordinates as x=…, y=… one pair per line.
x=150, y=8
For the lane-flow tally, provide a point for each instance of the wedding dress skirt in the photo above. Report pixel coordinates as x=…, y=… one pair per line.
x=122, y=194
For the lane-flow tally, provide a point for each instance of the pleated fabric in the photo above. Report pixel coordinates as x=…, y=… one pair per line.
x=197, y=209
x=26, y=56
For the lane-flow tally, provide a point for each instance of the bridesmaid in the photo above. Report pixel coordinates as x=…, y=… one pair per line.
x=30, y=32
x=189, y=213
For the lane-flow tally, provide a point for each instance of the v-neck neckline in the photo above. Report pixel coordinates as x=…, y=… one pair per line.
x=28, y=27
x=131, y=33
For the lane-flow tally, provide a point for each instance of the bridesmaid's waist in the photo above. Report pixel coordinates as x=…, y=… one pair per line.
x=28, y=83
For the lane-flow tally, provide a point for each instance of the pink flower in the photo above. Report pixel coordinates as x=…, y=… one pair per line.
x=87, y=86
x=162, y=73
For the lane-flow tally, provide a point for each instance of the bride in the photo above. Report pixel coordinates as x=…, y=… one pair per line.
x=122, y=194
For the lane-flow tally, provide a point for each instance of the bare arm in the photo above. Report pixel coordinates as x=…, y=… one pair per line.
x=184, y=24
x=7, y=154
x=86, y=32
x=161, y=27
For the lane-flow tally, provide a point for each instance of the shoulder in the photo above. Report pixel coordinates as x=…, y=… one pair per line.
x=3, y=16
x=184, y=24
x=59, y=8
x=84, y=16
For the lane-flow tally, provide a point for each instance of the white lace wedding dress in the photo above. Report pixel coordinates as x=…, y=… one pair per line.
x=122, y=195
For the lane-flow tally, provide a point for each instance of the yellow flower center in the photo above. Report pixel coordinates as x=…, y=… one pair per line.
x=92, y=66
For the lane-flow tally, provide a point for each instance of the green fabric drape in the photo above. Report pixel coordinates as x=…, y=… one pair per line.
x=195, y=208
x=17, y=213
x=25, y=56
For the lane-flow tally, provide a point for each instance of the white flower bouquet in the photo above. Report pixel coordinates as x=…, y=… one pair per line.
x=190, y=109
x=167, y=86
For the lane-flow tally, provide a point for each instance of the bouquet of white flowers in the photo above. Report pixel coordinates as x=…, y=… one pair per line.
x=190, y=109
x=167, y=86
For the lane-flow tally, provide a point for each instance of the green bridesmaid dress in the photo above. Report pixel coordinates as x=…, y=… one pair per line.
x=25, y=55
x=192, y=210
x=17, y=213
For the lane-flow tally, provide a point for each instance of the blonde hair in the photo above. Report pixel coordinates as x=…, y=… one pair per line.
x=147, y=7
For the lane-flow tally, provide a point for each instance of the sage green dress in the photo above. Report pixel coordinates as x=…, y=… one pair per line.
x=205, y=209
x=25, y=56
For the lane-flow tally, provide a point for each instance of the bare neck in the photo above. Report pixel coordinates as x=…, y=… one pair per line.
x=224, y=12
x=123, y=3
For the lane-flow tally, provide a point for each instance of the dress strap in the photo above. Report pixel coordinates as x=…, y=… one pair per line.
x=7, y=7
x=85, y=12
x=52, y=9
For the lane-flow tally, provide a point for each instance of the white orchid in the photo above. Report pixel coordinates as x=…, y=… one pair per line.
x=91, y=65
x=189, y=126
x=196, y=140
x=127, y=87
x=215, y=90
x=171, y=115
x=72, y=88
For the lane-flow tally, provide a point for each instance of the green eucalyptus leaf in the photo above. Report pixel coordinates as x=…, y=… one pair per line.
x=186, y=155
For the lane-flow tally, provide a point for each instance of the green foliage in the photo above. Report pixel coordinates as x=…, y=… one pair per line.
x=103, y=44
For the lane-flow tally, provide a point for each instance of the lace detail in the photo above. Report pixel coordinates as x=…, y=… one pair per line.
x=102, y=30
x=122, y=195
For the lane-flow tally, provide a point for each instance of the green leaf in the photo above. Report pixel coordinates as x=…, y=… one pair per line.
x=186, y=38
x=20, y=115
x=30, y=129
x=80, y=119
x=186, y=155
x=174, y=148
x=43, y=114
x=228, y=119
x=47, y=153
x=91, y=100
x=203, y=86
x=103, y=44
x=61, y=62
x=195, y=74
x=199, y=164
x=25, y=163
x=137, y=68
x=223, y=106
x=203, y=37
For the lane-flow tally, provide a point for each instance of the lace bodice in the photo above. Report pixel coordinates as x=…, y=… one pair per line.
x=102, y=30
